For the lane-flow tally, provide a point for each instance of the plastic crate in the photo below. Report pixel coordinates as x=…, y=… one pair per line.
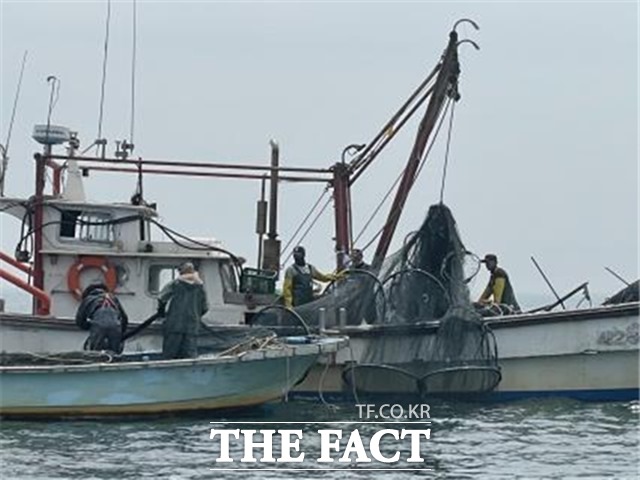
x=254, y=280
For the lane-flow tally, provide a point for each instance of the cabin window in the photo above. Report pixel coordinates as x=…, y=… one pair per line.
x=86, y=226
x=160, y=275
x=228, y=277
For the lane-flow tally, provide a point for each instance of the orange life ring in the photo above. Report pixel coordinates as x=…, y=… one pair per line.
x=84, y=262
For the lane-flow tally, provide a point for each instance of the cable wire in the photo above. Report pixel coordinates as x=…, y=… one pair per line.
x=133, y=74
x=5, y=153
x=309, y=229
x=104, y=70
x=446, y=155
x=423, y=161
x=324, y=192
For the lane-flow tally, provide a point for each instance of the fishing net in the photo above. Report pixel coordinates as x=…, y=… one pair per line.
x=221, y=338
x=445, y=347
x=355, y=298
x=62, y=358
x=432, y=341
x=218, y=340
x=629, y=294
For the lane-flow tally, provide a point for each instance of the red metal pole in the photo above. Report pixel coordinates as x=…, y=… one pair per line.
x=164, y=163
x=272, y=245
x=273, y=192
x=371, y=156
x=14, y=263
x=163, y=171
x=39, y=296
x=38, y=220
x=341, y=205
x=57, y=175
x=56, y=181
x=357, y=164
x=446, y=77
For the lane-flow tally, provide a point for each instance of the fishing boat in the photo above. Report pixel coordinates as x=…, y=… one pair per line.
x=81, y=384
x=587, y=354
x=395, y=321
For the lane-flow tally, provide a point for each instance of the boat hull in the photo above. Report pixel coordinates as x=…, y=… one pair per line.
x=607, y=376
x=40, y=334
x=155, y=387
x=590, y=354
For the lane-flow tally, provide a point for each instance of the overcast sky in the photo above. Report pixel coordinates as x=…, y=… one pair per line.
x=544, y=155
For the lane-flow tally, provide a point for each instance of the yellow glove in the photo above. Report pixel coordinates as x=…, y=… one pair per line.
x=340, y=275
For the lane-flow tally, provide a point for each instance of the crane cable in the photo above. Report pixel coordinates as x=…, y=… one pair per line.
x=385, y=198
x=446, y=155
x=304, y=235
x=315, y=205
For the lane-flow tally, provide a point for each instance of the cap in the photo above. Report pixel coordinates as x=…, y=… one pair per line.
x=299, y=249
x=489, y=257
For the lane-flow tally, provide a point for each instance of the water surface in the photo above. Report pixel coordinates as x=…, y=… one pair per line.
x=528, y=439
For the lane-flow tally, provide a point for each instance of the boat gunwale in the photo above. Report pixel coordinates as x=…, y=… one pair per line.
x=623, y=309
x=110, y=252
x=631, y=309
x=69, y=323
x=324, y=346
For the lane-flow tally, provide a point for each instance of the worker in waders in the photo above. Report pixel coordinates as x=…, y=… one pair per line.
x=499, y=289
x=357, y=260
x=182, y=302
x=298, y=280
x=101, y=313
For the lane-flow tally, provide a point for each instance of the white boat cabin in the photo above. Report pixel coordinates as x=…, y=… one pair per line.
x=85, y=243
x=72, y=243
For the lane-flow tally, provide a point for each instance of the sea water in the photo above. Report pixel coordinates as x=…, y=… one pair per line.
x=546, y=438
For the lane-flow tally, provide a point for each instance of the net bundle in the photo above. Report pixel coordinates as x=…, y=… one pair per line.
x=433, y=340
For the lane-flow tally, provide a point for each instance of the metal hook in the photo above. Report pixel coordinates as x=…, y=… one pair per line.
x=55, y=90
x=465, y=20
x=466, y=40
x=53, y=97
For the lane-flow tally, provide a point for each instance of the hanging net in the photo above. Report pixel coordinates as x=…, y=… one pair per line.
x=433, y=342
x=629, y=294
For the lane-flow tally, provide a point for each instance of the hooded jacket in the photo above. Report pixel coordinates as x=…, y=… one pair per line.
x=94, y=299
x=187, y=302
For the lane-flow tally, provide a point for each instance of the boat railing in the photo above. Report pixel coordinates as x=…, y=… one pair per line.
x=41, y=295
x=57, y=169
x=583, y=288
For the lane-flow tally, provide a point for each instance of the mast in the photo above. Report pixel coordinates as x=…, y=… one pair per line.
x=445, y=86
x=342, y=212
x=38, y=221
x=271, y=251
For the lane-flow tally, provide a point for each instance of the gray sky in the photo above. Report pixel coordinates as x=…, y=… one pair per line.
x=544, y=156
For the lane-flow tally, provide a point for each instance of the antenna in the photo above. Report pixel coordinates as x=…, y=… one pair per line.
x=619, y=277
x=103, y=82
x=53, y=99
x=553, y=290
x=50, y=135
x=5, y=148
x=133, y=75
